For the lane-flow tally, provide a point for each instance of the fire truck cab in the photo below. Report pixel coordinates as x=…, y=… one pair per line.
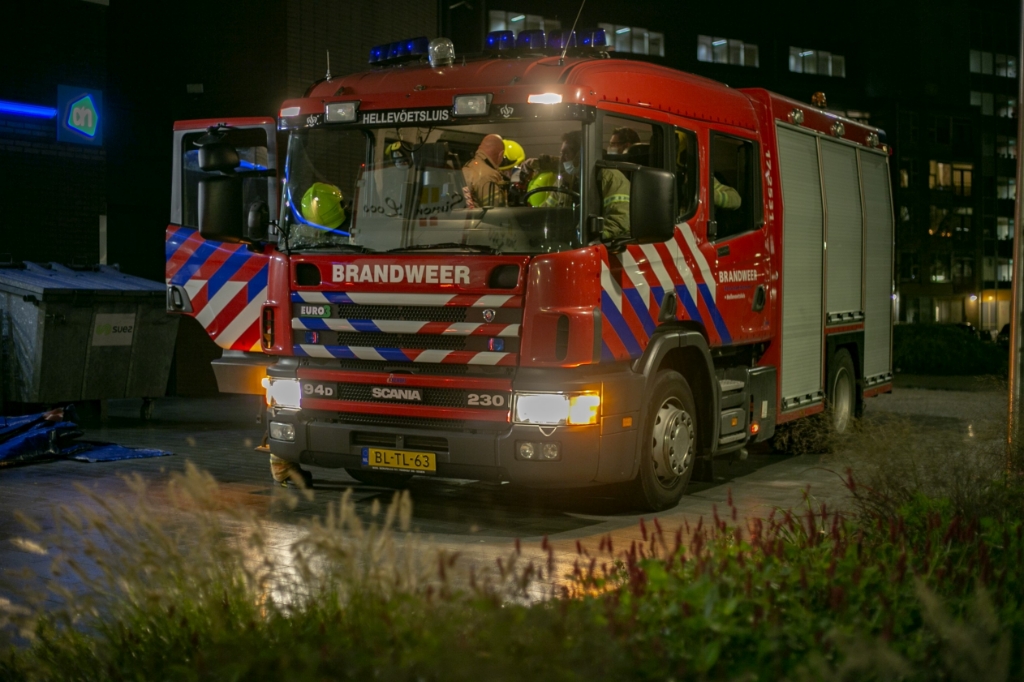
x=677, y=268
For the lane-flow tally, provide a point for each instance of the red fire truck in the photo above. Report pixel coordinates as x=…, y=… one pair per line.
x=518, y=340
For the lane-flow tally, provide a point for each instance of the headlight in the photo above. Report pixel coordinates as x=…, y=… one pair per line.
x=553, y=409
x=282, y=392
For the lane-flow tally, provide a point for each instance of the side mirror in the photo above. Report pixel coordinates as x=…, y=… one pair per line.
x=652, y=205
x=218, y=157
x=220, y=209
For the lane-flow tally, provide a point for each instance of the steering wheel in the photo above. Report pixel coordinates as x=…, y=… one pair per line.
x=564, y=190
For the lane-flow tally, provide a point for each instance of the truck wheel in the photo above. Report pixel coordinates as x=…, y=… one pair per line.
x=380, y=479
x=670, y=443
x=842, y=392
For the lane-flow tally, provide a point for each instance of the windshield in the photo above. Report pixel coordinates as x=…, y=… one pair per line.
x=494, y=187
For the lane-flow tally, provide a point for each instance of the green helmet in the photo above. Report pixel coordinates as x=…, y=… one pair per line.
x=321, y=205
x=545, y=179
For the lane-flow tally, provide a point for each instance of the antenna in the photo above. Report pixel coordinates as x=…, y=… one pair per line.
x=328, y=76
x=572, y=32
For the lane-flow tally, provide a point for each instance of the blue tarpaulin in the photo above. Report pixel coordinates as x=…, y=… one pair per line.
x=53, y=435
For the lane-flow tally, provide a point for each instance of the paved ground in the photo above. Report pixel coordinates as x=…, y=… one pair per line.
x=479, y=520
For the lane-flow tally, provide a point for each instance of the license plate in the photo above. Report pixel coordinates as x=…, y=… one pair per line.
x=328, y=390
x=400, y=460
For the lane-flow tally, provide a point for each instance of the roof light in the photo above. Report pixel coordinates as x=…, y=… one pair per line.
x=341, y=112
x=559, y=41
x=530, y=40
x=806, y=53
x=400, y=50
x=289, y=111
x=417, y=46
x=441, y=52
x=517, y=18
x=625, y=29
x=396, y=50
x=594, y=38
x=32, y=110
x=500, y=40
x=719, y=42
x=378, y=53
x=545, y=98
x=471, y=105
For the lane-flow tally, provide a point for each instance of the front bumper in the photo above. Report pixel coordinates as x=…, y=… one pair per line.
x=590, y=455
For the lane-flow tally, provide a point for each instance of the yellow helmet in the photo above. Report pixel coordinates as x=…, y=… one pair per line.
x=321, y=205
x=545, y=179
x=682, y=148
x=514, y=155
x=396, y=152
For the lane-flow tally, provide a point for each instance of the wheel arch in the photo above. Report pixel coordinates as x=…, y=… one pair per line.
x=686, y=351
x=852, y=342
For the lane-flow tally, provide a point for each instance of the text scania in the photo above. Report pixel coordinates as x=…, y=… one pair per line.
x=396, y=393
x=412, y=274
x=406, y=116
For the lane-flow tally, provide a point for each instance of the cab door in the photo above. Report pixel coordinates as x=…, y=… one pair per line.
x=734, y=242
x=222, y=286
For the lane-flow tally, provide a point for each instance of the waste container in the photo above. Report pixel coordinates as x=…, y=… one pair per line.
x=74, y=334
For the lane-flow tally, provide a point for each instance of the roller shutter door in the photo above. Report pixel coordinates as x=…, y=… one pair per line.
x=844, y=236
x=802, y=263
x=878, y=268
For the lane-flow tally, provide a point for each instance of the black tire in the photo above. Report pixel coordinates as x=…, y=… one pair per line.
x=842, y=393
x=381, y=479
x=664, y=473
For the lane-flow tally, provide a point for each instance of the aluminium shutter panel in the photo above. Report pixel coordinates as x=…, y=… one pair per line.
x=878, y=267
x=802, y=264
x=845, y=231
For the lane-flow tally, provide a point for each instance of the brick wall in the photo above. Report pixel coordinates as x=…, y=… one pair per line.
x=52, y=194
x=348, y=30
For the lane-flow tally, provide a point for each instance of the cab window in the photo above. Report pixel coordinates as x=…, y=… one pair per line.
x=732, y=187
x=251, y=144
x=625, y=143
x=687, y=172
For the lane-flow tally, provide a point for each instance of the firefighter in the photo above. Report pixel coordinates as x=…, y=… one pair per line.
x=511, y=168
x=485, y=185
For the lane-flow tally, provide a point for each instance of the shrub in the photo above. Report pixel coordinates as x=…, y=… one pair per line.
x=945, y=350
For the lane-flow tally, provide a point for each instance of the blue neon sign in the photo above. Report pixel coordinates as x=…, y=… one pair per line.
x=30, y=110
x=79, y=115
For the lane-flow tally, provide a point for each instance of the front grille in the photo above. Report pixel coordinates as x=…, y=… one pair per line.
x=351, y=311
x=414, y=422
x=434, y=397
x=422, y=368
x=381, y=340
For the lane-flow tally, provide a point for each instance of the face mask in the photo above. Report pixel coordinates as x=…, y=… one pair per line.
x=569, y=167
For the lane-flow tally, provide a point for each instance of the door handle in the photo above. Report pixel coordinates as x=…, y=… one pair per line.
x=759, y=299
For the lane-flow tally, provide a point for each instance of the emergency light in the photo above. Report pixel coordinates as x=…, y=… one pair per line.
x=594, y=38
x=500, y=41
x=400, y=50
x=558, y=41
x=530, y=40
x=471, y=105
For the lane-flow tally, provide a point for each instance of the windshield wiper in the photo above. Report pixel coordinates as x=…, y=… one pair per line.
x=481, y=248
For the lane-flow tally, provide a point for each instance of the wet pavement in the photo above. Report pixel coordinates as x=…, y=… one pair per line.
x=478, y=520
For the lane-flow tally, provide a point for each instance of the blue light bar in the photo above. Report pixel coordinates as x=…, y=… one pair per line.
x=33, y=110
x=558, y=41
x=530, y=40
x=594, y=38
x=417, y=46
x=396, y=50
x=378, y=53
x=500, y=40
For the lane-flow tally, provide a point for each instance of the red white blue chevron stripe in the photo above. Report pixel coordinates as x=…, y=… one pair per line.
x=454, y=357
x=633, y=285
x=226, y=285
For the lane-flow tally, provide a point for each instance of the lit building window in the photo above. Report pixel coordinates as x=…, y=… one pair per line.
x=1006, y=147
x=940, y=175
x=981, y=62
x=518, y=21
x=1006, y=66
x=1006, y=188
x=940, y=268
x=985, y=100
x=1006, y=107
x=962, y=173
x=904, y=178
x=718, y=50
x=802, y=60
x=1004, y=228
x=633, y=39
